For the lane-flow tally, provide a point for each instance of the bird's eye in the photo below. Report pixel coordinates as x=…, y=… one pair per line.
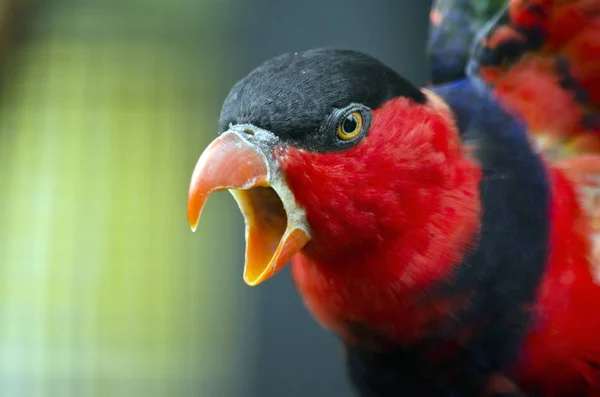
x=350, y=126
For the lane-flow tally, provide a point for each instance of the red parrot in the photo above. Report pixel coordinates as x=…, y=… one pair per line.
x=446, y=234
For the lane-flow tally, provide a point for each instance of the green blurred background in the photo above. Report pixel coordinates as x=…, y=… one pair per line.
x=105, y=107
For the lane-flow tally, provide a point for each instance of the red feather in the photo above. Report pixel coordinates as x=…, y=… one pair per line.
x=557, y=87
x=562, y=351
x=431, y=206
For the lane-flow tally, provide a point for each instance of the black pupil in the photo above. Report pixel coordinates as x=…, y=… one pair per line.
x=350, y=124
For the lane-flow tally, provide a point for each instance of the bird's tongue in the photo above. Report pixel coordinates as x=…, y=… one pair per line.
x=231, y=162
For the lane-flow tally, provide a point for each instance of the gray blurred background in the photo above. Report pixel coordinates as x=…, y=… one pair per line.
x=105, y=106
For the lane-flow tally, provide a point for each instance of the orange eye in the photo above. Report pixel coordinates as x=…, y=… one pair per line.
x=350, y=126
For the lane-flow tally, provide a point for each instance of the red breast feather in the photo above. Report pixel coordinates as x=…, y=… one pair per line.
x=389, y=218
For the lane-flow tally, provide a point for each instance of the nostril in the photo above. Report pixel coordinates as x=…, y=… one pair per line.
x=249, y=131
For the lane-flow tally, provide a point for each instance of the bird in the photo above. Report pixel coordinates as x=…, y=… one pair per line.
x=447, y=234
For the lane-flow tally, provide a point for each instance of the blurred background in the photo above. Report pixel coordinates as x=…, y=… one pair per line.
x=105, y=106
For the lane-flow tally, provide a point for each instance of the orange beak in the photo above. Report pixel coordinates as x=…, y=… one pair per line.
x=239, y=162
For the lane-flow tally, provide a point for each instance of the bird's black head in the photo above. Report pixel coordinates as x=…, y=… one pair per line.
x=302, y=96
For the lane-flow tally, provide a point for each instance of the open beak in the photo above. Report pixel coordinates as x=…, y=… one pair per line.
x=240, y=160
